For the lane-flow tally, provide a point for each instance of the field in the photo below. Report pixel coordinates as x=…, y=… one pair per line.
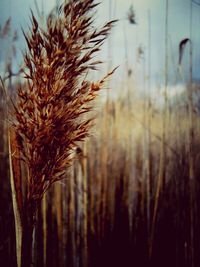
x=131, y=196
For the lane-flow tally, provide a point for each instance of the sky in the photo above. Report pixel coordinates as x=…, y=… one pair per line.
x=121, y=48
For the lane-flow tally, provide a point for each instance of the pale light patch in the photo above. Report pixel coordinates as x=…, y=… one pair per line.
x=173, y=90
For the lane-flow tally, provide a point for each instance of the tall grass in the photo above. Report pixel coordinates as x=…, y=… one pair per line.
x=131, y=197
x=103, y=231
x=49, y=114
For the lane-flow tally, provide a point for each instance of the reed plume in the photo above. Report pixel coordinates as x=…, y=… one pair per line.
x=49, y=113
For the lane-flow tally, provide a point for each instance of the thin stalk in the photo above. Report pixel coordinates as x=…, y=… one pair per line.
x=162, y=167
x=85, y=208
x=191, y=145
x=58, y=211
x=44, y=229
x=15, y=180
x=149, y=137
x=17, y=217
x=144, y=175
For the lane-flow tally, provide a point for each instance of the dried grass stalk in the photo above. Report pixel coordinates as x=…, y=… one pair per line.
x=16, y=201
x=49, y=119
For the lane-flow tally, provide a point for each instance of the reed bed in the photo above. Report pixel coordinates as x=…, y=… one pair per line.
x=130, y=196
x=47, y=118
x=99, y=216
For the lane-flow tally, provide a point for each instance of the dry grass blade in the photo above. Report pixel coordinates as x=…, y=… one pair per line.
x=16, y=206
x=15, y=178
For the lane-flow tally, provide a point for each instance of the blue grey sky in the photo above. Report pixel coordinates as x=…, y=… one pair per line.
x=121, y=48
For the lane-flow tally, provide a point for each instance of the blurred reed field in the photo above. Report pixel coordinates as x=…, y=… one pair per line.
x=131, y=196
